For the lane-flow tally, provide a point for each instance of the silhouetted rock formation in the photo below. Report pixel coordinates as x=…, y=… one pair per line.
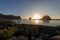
x=10, y=17
x=30, y=18
x=46, y=17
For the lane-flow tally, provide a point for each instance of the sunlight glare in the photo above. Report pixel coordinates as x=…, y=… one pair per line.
x=37, y=16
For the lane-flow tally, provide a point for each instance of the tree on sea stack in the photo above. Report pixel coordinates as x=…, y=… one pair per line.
x=46, y=17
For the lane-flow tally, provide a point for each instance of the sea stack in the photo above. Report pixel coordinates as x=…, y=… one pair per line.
x=30, y=18
x=46, y=17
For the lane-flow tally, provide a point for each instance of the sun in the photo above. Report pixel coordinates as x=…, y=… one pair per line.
x=36, y=16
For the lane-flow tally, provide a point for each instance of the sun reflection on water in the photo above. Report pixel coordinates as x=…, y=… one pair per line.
x=41, y=22
x=36, y=21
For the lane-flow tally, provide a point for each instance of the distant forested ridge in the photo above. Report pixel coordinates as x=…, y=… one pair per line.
x=10, y=17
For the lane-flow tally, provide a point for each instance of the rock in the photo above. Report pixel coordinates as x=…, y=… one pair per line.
x=21, y=38
x=46, y=17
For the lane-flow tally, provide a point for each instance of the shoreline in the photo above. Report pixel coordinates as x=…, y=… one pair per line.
x=29, y=31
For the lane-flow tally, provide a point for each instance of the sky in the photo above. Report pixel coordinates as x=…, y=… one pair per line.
x=28, y=8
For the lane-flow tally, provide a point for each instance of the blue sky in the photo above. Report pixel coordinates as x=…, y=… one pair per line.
x=28, y=8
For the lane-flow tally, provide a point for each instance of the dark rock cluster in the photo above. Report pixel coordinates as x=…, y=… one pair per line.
x=46, y=17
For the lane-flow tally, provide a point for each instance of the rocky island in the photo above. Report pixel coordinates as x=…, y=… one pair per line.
x=46, y=17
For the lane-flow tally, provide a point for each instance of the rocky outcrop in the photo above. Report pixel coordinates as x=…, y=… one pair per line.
x=30, y=18
x=10, y=17
x=46, y=17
